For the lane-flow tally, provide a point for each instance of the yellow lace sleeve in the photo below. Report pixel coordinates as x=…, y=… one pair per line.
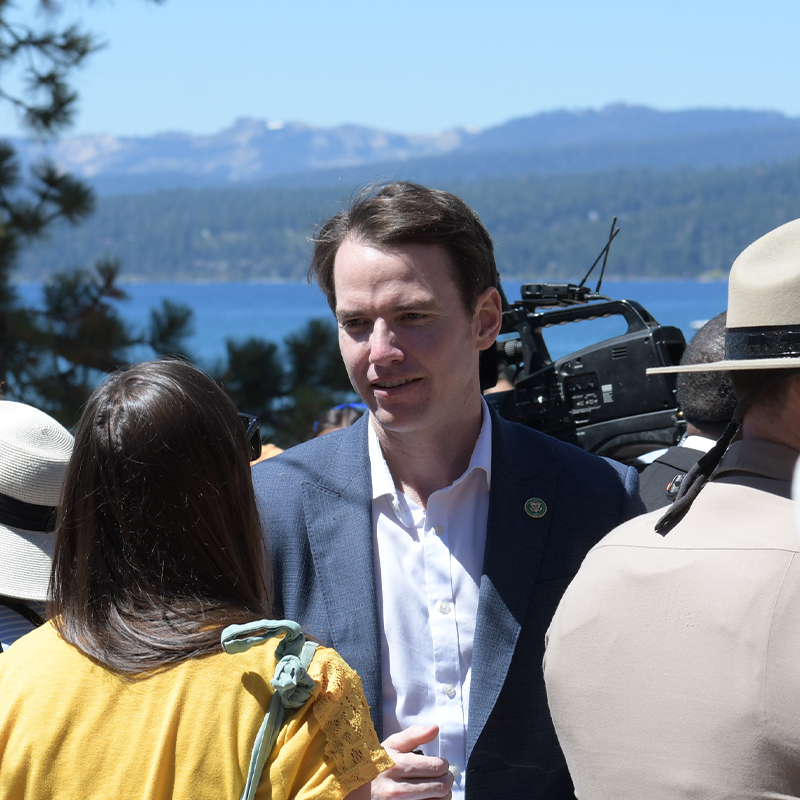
x=329, y=748
x=342, y=712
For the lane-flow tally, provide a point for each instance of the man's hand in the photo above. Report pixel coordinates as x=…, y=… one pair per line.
x=413, y=777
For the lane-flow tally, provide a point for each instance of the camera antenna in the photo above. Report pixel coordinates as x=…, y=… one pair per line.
x=604, y=255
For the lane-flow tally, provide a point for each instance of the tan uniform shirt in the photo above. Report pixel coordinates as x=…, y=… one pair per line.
x=673, y=663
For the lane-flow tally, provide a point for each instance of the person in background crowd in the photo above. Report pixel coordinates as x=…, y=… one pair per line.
x=707, y=401
x=430, y=541
x=126, y=692
x=505, y=381
x=671, y=663
x=34, y=451
x=338, y=417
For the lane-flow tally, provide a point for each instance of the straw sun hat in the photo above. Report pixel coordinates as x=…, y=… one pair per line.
x=763, y=325
x=34, y=451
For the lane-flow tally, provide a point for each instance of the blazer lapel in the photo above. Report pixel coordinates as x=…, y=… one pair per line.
x=338, y=512
x=515, y=540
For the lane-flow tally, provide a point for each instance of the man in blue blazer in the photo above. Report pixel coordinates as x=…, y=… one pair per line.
x=431, y=542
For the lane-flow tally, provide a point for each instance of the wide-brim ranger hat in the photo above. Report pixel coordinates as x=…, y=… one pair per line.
x=763, y=323
x=34, y=451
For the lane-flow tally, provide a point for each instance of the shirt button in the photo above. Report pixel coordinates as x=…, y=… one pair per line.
x=438, y=529
x=449, y=690
x=444, y=607
x=455, y=772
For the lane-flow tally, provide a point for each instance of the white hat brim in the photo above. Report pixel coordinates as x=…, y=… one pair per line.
x=729, y=365
x=25, y=557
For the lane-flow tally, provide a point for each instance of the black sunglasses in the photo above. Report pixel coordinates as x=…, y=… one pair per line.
x=253, y=432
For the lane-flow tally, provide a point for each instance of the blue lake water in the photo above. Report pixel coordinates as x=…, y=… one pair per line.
x=271, y=311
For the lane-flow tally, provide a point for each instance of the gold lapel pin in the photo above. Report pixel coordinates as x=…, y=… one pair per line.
x=535, y=507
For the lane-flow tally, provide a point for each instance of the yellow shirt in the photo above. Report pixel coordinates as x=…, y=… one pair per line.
x=72, y=729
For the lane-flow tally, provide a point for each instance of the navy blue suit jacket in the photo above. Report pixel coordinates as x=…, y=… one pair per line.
x=316, y=508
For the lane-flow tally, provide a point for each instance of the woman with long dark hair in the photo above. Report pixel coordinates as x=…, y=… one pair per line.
x=126, y=692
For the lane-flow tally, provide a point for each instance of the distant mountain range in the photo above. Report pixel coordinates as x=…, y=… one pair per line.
x=296, y=155
x=690, y=190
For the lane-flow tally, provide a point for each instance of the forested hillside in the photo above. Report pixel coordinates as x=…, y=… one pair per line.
x=680, y=223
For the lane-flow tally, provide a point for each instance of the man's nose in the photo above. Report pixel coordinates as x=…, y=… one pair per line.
x=383, y=344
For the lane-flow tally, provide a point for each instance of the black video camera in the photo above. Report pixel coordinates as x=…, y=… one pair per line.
x=599, y=397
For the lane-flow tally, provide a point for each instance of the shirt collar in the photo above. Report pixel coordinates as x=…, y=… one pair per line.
x=382, y=482
x=695, y=442
x=759, y=457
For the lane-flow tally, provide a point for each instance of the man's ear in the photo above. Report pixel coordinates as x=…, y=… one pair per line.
x=488, y=317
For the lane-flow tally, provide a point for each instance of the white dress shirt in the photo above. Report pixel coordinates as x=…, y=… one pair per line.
x=428, y=566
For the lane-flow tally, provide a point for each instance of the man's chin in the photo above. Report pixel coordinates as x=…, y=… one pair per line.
x=393, y=421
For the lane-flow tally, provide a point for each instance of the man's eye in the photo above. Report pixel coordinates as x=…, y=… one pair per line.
x=349, y=324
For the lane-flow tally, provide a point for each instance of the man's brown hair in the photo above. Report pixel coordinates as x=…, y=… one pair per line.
x=406, y=213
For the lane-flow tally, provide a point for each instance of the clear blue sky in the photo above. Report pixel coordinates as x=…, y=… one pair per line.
x=415, y=66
